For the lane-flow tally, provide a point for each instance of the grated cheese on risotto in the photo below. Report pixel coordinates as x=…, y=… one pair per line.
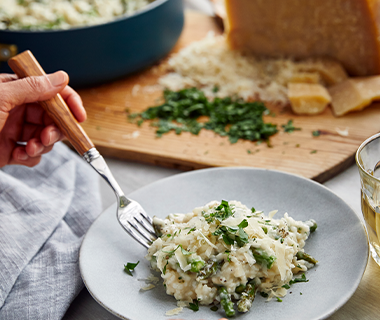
x=225, y=252
x=63, y=14
x=209, y=63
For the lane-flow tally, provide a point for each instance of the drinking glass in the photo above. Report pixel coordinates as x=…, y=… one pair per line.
x=368, y=161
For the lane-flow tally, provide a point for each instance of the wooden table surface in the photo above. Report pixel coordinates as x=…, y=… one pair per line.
x=318, y=158
x=363, y=305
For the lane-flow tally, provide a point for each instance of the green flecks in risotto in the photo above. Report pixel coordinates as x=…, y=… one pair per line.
x=224, y=253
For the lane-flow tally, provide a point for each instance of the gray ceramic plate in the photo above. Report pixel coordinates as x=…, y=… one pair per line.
x=340, y=244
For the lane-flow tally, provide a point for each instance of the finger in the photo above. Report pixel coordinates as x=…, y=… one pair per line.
x=34, y=114
x=31, y=89
x=30, y=131
x=50, y=135
x=35, y=148
x=6, y=77
x=75, y=103
x=19, y=156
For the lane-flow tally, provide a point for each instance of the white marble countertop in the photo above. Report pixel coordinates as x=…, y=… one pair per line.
x=132, y=176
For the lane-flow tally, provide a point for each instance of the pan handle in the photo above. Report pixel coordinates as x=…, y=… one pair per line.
x=26, y=65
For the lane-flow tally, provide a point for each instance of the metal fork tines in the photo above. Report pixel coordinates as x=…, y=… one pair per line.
x=130, y=214
x=136, y=222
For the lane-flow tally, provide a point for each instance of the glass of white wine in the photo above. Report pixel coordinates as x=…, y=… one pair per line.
x=368, y=161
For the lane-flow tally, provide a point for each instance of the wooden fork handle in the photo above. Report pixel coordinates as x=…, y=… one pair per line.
x=26, y=65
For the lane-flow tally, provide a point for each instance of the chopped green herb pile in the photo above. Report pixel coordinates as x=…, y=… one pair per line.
x=316, y=133
x=129, y=267
x=230, y=117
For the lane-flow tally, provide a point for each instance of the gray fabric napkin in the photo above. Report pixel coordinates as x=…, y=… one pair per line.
x=44, y=213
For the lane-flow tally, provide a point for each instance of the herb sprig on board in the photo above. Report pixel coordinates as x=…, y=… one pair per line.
x=232, y=117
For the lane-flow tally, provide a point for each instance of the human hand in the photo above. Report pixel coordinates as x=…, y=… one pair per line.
x=22, y=119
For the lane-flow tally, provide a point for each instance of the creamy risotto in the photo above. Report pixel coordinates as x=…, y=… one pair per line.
x=224, y=253
x=63, y=14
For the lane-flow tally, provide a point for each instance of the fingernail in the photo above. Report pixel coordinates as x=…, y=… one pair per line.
x=54, y=137
x=22, y=156
x=38, y=149
x=57, y=79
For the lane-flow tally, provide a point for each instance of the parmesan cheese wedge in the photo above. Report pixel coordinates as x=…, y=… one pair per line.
x=308, y=98
x=345, y=30
x=354, y=94
x=305, y=77
x=330, y=71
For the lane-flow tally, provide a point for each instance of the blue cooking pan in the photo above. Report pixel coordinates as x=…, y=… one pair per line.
x=97, y=54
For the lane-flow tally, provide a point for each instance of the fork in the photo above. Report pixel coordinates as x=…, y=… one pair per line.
x=130, y=213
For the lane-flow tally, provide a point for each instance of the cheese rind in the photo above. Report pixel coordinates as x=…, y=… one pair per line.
x=346, y=30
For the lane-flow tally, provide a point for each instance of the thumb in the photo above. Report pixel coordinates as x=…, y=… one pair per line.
x=31, y=89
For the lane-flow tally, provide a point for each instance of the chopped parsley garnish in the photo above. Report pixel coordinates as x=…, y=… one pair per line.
x=222, y=212
x=129, y=267
x=191, y=230
x=170, y=254
x=302, y=279
x=232, y=234
x=261, y=256
x=232, y=117
x=313, y=151
x=316, y=133
x=227, y=252
x=184, y=252
x=194, y=306
x=289, y=127
x=243, y=224
x=214, y=308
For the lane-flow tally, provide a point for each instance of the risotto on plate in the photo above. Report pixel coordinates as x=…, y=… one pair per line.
x=225, y=253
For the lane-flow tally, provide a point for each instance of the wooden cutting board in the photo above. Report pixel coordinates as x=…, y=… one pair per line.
x=318, y=158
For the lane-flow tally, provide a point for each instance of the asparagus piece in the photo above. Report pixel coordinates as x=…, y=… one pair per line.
x=263, y=257
x=312, y=224
x=304, y=256
x=225, y=301
x=248, y=295
x=240, y=288
x=197, y=265
x=209, y=269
